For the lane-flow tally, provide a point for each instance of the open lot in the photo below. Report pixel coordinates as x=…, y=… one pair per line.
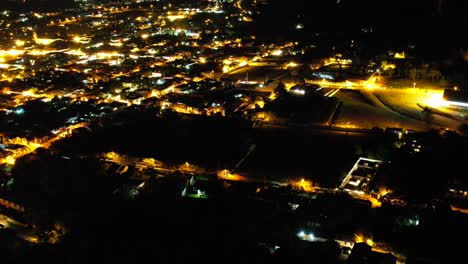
x=406, y=101
x=317, y=155
x=363, y=110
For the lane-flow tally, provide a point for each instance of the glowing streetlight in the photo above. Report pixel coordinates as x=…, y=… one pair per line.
x=301, y=234
x=20, y=43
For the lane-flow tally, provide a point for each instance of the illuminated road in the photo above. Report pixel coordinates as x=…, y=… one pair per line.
x=30, y=147
x=21, y=230
x=150, y=163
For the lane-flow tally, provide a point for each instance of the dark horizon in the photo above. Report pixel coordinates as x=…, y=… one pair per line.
x=418, y=20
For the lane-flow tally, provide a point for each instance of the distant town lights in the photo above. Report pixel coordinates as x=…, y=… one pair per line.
x=299, y=92
x=19, y=43
x=277, y=53
x=9, y=160
x=400, y=55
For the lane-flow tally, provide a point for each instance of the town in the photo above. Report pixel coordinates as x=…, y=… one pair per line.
x=175, y=131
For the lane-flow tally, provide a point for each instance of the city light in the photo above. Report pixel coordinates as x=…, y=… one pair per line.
x=81, y=40
x=333, y=60
x=19, y=43
x=11, y=53
x=9, y=160
x=43, y=41
x=194, y=95
x=277, y=53
x=400, y=55
x=227, y=175
x=242, y=63
x=434, y=99
x=298, y=91
x=175, y=17
x=291, y=64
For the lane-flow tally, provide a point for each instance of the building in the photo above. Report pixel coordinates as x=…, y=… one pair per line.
x=361, y=175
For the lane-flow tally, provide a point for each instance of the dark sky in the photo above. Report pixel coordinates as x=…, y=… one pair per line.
x=26, y=5
x=428, y=22
x=419, y=21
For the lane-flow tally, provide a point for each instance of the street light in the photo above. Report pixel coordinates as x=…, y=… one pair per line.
x=301, y=234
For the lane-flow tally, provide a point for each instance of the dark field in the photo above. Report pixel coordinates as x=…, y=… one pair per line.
x=322, y=156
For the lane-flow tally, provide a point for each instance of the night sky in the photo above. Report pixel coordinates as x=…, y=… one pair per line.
x=433, y=25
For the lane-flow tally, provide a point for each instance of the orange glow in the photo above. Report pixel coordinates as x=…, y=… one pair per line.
x=332, y=60
x=383, y=192
x=304, y=184
x=19, y=43
x=277, y=53
x=291, y=64
x=11, y=53
x=43, y=41
x=29, y=93
x=242, y=63
x=272, y=97
x=226, y=69
x=9, y=160
x=387, y=66
x=461, y=210
x=371, y=83
x=360, y=238
x=258, y=103
x=175, y=17
x=227, y=175
x=347, y=125
x=375, y=202
x=82, y=40
x=112, y=156
x=434, y=99
x=155, y=93
x=400, y=55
